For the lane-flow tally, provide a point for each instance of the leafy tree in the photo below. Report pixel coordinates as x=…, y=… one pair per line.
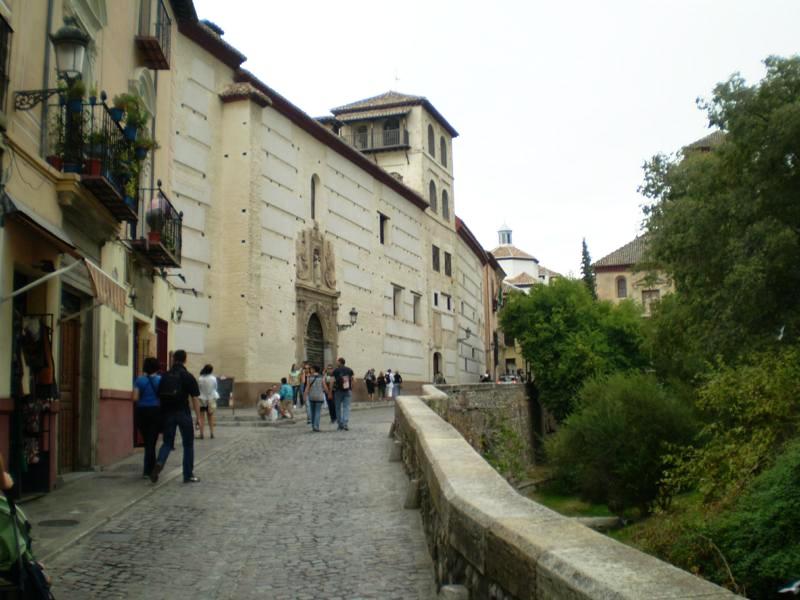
x=567, y=337
x=612, y=449
x=587, y=272
x=726, y=223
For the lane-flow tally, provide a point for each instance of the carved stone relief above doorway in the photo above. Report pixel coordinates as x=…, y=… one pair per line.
x=316, y=297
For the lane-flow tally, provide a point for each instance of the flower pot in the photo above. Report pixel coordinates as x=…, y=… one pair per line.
x=75, y=106
x=56, y=161
x=154, y=237
x=92, y=100
x=116, y=114
x=130, y=132
x=72, y=168
x=141, y=152
x=93, y=166
x=130, y=201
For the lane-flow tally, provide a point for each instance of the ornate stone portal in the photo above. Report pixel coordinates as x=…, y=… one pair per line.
x=316, y=294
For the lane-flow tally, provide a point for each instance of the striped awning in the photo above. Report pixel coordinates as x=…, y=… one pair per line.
x=106, y=290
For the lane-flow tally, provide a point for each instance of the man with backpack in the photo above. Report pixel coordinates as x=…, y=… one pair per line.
x=174, y=390
x=343, y=393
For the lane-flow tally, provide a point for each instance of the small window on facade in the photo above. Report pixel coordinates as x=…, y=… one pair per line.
x=435, y=257
x=313, y=197
x=431, y=141
x=383, y=225
x=648, y=298
x=432, y=196
x=449, y=302
x=397, y=298
x=436, y=298
x=443, y=151
x=622, y=287
x=462, y=307
x=448, y=264
x=416, y=307
x=445, y=205
x=5, y=53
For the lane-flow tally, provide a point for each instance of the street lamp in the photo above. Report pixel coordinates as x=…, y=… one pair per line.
x=70, y=43
x=353, y=318
x=177, y=315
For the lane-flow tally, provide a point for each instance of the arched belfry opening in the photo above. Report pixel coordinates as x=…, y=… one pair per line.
x=315, y=342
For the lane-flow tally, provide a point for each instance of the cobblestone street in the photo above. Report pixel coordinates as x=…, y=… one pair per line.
x=280, y=513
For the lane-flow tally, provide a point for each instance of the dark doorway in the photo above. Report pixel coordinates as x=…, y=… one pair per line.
x=162, y=344
x=437, y=363
x=70, y=377
x=315, y=342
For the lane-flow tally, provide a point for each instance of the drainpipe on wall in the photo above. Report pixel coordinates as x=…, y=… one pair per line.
x=46, y=79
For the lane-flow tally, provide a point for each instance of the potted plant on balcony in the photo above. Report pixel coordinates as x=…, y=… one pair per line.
x=136, y=114
x=155, y=220
x=95, y=145
x=117, y=110
x=93, y=94
x=75, y=95
x=144, y=143
x=131, y=190
x=55, y=157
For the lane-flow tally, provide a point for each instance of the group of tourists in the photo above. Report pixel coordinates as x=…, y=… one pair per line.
x=163, y=407
x=387, y=384
x=311, y=387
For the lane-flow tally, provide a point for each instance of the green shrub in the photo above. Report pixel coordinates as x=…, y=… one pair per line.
x=612, y=448
x=751, y=546
x=750, y=411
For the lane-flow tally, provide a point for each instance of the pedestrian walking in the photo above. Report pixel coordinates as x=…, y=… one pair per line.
x=304, y=382
x=369, y=379
x=148, y=411
x=177, y=386
x=314, y=395
x=396, y=387
x=294, y=381
x=381, y=385
x=329, y=396
x=287, y=398
x=389, y=383
x=343, y=393
x=207, y=382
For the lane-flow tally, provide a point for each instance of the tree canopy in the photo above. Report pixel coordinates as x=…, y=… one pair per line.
x=567, y=337
x=726, y=223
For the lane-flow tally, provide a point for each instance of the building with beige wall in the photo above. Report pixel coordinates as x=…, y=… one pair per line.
x=618, y=276
x=79, y=264
x=290, y=222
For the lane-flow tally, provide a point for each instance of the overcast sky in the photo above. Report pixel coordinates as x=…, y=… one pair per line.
x=557, y=103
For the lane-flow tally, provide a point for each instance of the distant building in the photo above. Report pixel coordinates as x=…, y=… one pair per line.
x=618, y=278
x=523, y=270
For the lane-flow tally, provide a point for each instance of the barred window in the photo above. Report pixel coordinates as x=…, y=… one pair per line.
x=445, y=206
x=436, y=258
x=432, y=197
x=431, y=141
x=443, y=151
x=448, y=264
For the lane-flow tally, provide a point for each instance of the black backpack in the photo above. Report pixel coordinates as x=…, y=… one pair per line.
x=170, y=390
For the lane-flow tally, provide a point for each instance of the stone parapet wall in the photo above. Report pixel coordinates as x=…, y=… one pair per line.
x=483, y=412
x=485, y=536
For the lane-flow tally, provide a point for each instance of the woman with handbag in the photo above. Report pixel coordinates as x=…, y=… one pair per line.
x=208, y=399
x=314, y=394
x=148, y=411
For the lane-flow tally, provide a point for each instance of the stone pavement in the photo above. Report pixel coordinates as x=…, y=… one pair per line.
x=280, y=513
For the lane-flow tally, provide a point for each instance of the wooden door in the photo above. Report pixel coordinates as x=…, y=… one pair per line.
x=162, y=344
x=70, y=394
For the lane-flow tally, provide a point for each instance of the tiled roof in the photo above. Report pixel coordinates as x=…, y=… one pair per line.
x=712, y=140
x=522, y=279
x=373, y=114
x=548, y=272
x=392, y=99
x=502, y=252
x=629, y=254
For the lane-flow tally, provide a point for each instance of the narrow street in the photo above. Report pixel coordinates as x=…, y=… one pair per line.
x=279, y=513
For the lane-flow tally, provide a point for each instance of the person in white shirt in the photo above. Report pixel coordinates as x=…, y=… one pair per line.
x=208, y=399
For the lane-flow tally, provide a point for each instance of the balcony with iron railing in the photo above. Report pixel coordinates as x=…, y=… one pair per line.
x=159, y=235
x=86, y=140
x=377, y=139
x=155, y=31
